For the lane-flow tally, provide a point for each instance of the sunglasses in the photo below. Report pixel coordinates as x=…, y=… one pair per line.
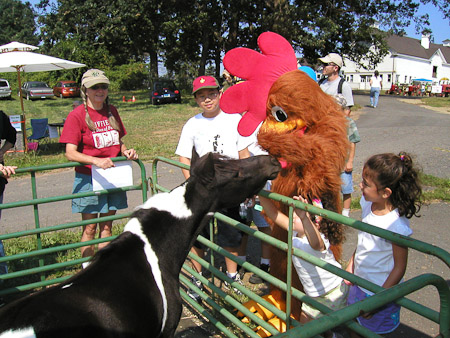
x=99, y=86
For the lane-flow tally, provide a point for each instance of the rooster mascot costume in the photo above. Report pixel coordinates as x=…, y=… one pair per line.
x=301, y=126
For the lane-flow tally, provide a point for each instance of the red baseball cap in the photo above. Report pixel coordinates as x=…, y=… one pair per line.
x=204, y=82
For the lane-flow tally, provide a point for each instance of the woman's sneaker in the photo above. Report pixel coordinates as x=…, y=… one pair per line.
x=191, y=293
x=255, y=279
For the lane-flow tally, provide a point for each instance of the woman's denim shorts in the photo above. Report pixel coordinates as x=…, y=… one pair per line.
x=95, y=204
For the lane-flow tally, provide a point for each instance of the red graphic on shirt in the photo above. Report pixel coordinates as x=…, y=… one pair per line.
x=104, y=136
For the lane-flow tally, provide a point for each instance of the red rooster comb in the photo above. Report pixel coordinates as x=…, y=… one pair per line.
x=260, y=71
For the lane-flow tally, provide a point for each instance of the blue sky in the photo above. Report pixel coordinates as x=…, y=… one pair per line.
x=439, y=26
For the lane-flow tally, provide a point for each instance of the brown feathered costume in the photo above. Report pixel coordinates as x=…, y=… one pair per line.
x=305, y=129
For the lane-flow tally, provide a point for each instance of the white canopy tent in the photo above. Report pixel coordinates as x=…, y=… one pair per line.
x=17, y=57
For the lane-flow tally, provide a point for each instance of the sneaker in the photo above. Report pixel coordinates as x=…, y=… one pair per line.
x=255, y=279
x=191, y=293
x=237, y=279
x=241, y=271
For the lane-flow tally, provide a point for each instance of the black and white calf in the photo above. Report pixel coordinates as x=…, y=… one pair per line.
x=131, y=287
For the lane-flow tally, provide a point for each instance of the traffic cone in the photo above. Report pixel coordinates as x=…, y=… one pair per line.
x=123, y=99
x=133, y=99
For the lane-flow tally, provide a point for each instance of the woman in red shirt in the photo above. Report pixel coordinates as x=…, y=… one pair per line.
x=93, y=134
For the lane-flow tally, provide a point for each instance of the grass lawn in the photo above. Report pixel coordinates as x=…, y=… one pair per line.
x=437, y=101
x=152, y=130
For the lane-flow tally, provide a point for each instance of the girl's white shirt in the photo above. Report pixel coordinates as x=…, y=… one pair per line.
x=374, y=258
x=316, y=281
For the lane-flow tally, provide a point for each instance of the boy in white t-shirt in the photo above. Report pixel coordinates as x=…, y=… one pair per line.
x=212, y=130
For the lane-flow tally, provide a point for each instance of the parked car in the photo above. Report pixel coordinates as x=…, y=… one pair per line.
x=164, y=91
x=36, y=90
x=5, y=89
x=66, y=89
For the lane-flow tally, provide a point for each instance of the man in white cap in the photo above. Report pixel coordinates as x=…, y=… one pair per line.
x=337, y=87
x=333, y=84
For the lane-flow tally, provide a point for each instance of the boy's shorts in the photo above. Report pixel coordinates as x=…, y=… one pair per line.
x=385, y=320
x=256, y=217
x=95, y=204
x=335, y=299
x=227, y=235
x=347, y=183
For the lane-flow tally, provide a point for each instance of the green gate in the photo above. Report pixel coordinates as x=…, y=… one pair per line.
x=333, y=318
x=213, y=300
x=42, y=269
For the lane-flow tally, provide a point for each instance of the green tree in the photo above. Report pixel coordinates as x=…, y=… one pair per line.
x=191, y=37
x=17, y=22
x=120, y=30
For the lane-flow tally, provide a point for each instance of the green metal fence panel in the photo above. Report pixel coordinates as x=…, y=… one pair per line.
x=37, y=231
x=333, y=318
x=221, y=317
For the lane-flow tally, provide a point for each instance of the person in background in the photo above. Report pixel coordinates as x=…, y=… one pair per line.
x=228, y=80
x=7, y=133
x=375, y=88
x=212, y=130
x=75, y=104
x=391, y=195
x=332, y=83
x=347, y=175
x=93, y=134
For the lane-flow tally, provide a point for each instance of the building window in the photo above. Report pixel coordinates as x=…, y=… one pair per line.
x=397, y=78
x=406, y=78
x=389, y=77
x=351, y=78
x=434, y=71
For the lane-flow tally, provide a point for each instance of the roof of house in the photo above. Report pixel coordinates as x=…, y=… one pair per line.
x=413, y=47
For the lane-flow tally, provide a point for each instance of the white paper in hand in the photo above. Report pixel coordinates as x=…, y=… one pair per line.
x=116, y=177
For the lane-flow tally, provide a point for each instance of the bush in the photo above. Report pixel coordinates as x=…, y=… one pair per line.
x=131, y=76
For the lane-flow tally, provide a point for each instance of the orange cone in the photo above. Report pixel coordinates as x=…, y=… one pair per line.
x=123, y=99
x=133, y=99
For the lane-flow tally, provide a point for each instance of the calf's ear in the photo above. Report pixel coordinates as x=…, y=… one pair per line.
x=203, y=168
x=194, y=157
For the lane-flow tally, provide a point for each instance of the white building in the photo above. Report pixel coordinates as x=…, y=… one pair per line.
x=408, y=59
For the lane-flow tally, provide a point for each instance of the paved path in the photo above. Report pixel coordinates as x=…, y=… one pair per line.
x=391, y=127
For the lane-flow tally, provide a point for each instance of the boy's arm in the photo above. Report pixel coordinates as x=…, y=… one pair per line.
x=351, y=157
x=187, y=161
x=244, y=153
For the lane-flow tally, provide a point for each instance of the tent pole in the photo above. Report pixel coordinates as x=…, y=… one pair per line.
x=24, y=131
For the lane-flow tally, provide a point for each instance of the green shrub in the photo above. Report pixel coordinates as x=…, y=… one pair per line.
x=131, y=76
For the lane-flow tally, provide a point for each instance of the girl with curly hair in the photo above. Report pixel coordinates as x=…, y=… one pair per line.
x=391, y=196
